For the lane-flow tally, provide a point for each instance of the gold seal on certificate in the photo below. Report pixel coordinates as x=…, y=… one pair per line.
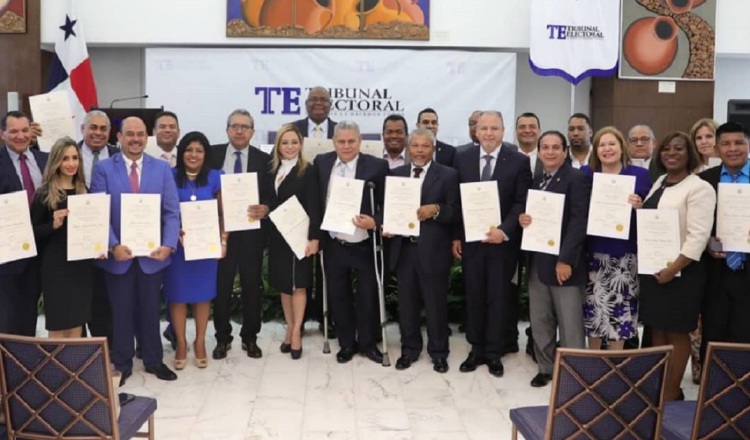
x=250, y=220
x=669, y=263
x=25, y=246
x=411, y=225
x=212, y=248
x=151, y=245
x=97, y=247
x=492, y=228
x=619, y=227
x=551, y=243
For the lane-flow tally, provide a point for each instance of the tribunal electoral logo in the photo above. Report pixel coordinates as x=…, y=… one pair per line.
x=345, y=102
x=566, y=32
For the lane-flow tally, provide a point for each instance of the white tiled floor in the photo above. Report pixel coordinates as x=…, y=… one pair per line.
x=314, y=398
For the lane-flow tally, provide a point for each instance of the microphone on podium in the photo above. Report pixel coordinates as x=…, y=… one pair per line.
x=111, y=104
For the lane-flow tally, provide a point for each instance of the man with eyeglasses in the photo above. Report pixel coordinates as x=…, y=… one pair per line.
x=317, y=124
x=641, y=143
x=244, y=248
x=473, y=119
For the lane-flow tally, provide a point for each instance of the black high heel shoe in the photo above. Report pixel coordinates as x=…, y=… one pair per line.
x=296, y=354
x=285, y=348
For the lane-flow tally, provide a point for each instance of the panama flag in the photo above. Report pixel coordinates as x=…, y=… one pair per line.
x=71, y=68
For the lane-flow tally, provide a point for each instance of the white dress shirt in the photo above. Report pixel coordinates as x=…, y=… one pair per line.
x=577, y=164
x=348, y=171
x=312, y=127
x=493, y=162
x=88, y=161
x=533, y=156
x=170, y=157
x=138, y=167
x=424, y=170
x=284, y=169
x=230, y=158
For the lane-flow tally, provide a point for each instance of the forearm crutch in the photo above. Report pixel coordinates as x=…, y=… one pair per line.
x=379, y=275
x=326, y=345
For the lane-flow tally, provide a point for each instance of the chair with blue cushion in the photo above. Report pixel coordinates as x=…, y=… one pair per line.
x=722, y=410
x=600, y=394
x=62, y=389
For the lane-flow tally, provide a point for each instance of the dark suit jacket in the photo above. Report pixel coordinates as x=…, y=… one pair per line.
x=257, y=162
x=440, y=186
x=369, y=169
x=444, y=153
x=302, y=125
x=513, y=178
x=713, y=265
x=111, y=149
x=305, y=188
x=10, y=182
x=577, y=189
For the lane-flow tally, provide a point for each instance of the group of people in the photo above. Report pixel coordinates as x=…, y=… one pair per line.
x=591, y=289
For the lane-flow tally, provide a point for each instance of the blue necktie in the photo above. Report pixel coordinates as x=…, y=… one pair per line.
x=238, y=162
x=735, y=259
x=487, y=170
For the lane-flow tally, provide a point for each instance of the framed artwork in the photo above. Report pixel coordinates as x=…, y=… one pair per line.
x=12, y=16
x=332, y=19
x=668, y=39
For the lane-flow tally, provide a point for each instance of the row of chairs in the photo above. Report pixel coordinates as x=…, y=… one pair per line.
x=62, y=389
x=620, y=395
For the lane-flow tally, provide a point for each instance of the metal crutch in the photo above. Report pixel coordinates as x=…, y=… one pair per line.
x=326, y=345
x=379, y=276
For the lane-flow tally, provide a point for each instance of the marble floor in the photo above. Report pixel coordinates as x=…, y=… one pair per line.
x=313, y=398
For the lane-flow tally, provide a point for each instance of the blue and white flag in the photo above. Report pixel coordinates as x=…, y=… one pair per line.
x=574, y=39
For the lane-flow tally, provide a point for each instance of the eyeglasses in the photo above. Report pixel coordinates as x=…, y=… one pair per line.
x=642, y=139
x=240, y=127
x=320, y=100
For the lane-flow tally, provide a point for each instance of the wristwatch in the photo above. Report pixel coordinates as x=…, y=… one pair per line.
x=437, y=211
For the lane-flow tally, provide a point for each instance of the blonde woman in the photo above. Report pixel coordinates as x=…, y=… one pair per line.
x=67, y=285
x=703, y=135
x=292, y=177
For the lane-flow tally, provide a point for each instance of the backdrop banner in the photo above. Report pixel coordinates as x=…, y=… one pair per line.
x=574, y=39
x=204, y=85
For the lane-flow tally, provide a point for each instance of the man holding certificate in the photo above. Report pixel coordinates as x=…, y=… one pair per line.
x=726, y=305
x=422, y=263
x=20, y=170
x=349, y=221
x=489, y=264
x=556, y=277
x=244, y=247
x=134, y=281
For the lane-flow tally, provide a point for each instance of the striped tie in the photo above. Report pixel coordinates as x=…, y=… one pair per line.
x=735, y=259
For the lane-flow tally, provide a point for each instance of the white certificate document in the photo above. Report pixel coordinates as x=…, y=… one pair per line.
x=52, y=111
x=480, y=207
x=140, y=223
x=658, y=239
x=312, y=147
x=373, y=148
x=200, y=223
x=609, y=210
x=733, y=217
x=544, y=233
x=88, y=226
x=293, y=224
x=238, y=192
x=344, y=202
x=16, y=233
x=403, y=196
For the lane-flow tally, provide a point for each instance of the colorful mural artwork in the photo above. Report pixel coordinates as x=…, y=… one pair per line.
x=338, y=19
x=12, y=16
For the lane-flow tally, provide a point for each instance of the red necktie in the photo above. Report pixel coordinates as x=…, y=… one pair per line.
x=134, y=186
x=28, y=184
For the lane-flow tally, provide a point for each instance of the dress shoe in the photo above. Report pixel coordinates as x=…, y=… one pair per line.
x=440, y=365
x=374, y=355
x=510, y=348
x=496, y=367
x=199, y=362
x=162, y=372
x=471, y=363
x=541, y=380
x=252, y=349
x=179, y=364
x=285, y=348
x=296, y=354
x=220, y=352
x=170, y=336
x=405, y=362
x=124, y=376
x=345, y=354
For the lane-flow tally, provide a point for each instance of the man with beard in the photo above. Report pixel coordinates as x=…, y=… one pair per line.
x=473, y=119
x=579, y=139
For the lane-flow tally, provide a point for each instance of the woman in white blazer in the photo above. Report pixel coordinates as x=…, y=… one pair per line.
x=670, y=304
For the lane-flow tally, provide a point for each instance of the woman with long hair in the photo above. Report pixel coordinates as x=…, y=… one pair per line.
x=293, y=176
x=703, y=135
x=193, y=282
x=67, y=286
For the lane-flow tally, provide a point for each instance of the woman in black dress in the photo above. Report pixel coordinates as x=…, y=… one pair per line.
x=292, y=176
x=67, y=286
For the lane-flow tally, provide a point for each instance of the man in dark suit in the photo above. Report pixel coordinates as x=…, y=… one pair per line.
x=134, y=283
x=473, y=119
x=489, y=265
x=21, y=168
x=356, y=321
x=395, y=131
x=422, y=264
x=317, y=124
x=726, y=304
x=556, y=282
x=528, y=129
x=444, y=153
x=244, y=248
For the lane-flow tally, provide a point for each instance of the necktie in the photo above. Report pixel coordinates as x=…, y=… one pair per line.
x=487, y=170
x=28, y=184
x=735, y=259
x=238, y=162
x=134, y=185
x=318, y=132
x=545, y=180
x=95, y=160
x=418, y=172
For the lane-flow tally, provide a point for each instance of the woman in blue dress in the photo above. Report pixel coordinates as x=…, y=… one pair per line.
x=193, y=282
x=610, y=309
